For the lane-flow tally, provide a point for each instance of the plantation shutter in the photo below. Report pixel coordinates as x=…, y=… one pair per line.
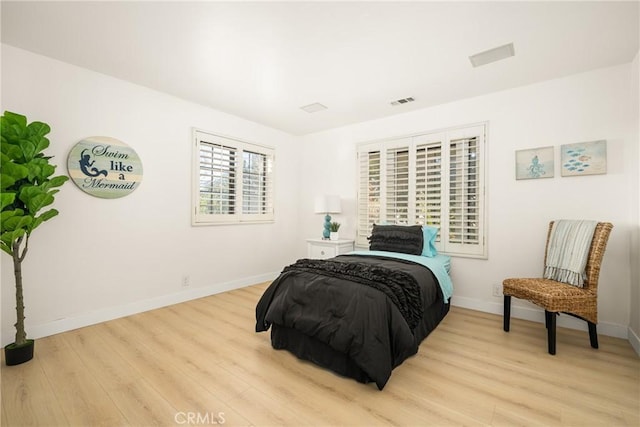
x=465, y=227
x=397, y=185
x=435, y=179
x=217, y=179
x=368, y=193
x=233, y=182
x=257, y=185
x=428, y=191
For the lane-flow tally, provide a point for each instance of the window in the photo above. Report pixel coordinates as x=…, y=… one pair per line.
x=233, y=180
x=432, y=178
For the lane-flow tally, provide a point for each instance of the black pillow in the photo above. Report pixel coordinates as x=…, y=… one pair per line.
x=407, y=239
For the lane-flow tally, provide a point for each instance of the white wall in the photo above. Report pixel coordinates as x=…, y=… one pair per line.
x=584, y=107
x=103, y=258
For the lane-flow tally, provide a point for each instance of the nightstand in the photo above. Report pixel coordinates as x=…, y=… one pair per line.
x=323, y=249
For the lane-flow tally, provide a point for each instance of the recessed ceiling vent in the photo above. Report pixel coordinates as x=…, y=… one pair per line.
x=312, y=108
x=402, y=101
x=492, y=55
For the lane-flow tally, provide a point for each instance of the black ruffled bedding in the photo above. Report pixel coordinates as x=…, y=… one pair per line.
x=360, y=316
x=406, y=239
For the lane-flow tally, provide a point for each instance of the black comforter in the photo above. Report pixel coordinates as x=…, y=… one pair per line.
x=369, y=321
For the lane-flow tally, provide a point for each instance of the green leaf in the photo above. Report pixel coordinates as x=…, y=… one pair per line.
x=15, y=170
x=39, y=129
x=5, y=248
x=10, y=150
x=14, y=118
x=48, y=214
x=39, y=169
x=28, y=149
x=6, y=181
x=47, y=171
x=40, y=143
x=12, y=127
x=10, y=173
x=12, y=132
x=6, y=199
x=5, y=215
x=42, y=218
x=57, y=181
x=17, y=222
x=9, y=237
x=35, y=198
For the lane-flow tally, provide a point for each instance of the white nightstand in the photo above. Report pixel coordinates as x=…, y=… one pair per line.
x=323, y=249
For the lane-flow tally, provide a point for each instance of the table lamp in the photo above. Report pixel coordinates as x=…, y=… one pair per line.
x=327, y=205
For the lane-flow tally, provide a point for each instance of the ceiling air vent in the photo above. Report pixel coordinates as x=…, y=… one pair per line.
x=492, y=55
x=402, y=101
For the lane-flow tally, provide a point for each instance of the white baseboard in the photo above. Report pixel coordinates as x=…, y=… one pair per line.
x=103, y=315
x=537, y=315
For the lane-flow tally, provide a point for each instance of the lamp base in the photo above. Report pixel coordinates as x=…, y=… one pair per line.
x=327, y=227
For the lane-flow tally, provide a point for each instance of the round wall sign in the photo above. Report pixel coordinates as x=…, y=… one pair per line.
x=104, y=167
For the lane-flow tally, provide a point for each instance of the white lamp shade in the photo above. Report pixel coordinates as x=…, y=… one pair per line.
x=328, y=204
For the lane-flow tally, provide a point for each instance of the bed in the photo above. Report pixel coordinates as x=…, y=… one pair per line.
x=360, y=314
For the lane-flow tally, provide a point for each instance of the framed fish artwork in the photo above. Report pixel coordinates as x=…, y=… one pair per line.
x=584, y=158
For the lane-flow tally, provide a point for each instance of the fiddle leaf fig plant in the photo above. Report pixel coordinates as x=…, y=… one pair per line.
x=27, y=187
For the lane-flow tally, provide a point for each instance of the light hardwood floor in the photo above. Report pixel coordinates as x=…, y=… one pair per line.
x=201, y=363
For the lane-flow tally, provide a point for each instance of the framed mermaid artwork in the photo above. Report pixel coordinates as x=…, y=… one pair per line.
x=534, y=163
x=584, y=158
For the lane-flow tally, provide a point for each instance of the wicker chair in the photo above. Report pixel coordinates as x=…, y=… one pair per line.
x=557, y=297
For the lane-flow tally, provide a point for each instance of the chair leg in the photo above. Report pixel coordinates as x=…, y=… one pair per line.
x=550, y=320
x=506, y=318
x=546, y=319
x=593, y=335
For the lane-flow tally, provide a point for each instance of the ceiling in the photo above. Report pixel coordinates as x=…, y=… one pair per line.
x=264, y=60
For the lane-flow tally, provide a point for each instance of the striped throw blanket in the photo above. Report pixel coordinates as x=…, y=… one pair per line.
x=568, y=250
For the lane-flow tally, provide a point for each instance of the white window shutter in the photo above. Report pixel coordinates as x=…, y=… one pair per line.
x=433, y=178
x=369, y=193
x=465, y=195
x=428, y=193
x=396, y=210
x=257, y=185
x=217, y=179
x=233, y=181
